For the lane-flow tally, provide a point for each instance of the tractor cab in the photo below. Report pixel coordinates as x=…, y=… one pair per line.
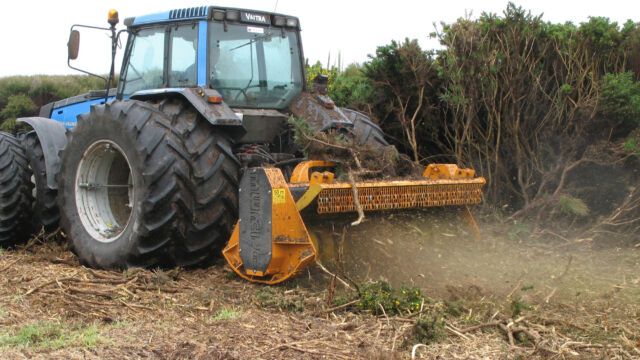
x=253, y=59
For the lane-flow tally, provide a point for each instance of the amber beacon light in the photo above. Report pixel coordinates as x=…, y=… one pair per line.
x=113, y=17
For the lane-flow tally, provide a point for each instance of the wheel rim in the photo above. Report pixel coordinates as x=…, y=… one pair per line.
x=104, y=191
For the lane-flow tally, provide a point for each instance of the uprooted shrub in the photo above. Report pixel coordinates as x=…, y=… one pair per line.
x=361, y=161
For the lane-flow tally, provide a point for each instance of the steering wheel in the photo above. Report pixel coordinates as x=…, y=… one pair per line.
x=244, y=91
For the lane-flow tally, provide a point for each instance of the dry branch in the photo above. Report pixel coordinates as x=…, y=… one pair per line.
x=340, y=307
x=356, y=200
x=319, y=264
x=54, y=281
x=480, y=326
x=10, y=264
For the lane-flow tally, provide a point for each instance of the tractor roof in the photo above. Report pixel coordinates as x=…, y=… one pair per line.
x=207, y=13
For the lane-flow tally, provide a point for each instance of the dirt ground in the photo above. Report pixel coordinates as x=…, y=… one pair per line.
x=514, y=298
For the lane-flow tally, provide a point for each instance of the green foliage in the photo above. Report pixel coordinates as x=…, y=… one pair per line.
x=375, y=296
x=620, y=98
x=518, y=306
x=340, y=300
x=351, y=91
x=565, y=90
x=24, y=95
x=572, y=206
x=519, y=95
x=454, y=308
x=17, y=106
x=526, y=288
x=302, y=131
x=349, y=88
x=429, y=329
x=53, y=335
x=601, y=35
x=405, y=82
x=317, y=69
x=631, y=145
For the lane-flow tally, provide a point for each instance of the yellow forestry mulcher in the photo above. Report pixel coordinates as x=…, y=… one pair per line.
x=270, y=242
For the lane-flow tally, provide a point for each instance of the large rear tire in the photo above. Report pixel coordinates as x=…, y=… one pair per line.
x=15, y=192
x=45, y=208
x=138, y=187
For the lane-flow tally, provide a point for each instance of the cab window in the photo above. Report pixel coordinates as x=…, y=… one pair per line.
x=155, y=49
x=146, y=61
x=183, y=70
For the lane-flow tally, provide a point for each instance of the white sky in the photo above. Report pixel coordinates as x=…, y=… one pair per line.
x=35, y=33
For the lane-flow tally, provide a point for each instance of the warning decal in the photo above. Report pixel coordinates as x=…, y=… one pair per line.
x=278, y=196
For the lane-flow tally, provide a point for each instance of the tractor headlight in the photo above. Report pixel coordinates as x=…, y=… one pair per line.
x=292, y=22
x=279, y=20
x=218, y=15
x=233, y=15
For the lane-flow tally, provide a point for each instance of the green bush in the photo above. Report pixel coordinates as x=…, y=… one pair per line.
x=429, y=329
x=317, y=69
x=572, y=206
x=375, y=296
x=24, y=95
x=620, y=99
x=351, y=89
x=17, y=106
x=631, y=145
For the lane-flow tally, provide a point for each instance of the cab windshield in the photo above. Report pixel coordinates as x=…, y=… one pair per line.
x=253, y=66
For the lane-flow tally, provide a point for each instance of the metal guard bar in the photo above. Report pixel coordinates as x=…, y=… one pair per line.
x=338, y=198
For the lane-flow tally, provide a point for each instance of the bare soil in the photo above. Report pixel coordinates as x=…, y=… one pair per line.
x=577, y=301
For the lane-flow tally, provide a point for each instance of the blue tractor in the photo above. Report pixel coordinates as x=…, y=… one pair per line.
x=194, y=150
x=147, y=174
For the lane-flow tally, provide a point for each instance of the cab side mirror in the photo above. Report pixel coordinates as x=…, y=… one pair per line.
x=74, y=44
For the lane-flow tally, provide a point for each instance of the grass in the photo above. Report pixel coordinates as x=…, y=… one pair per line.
x=227, y=314
x=53, y=335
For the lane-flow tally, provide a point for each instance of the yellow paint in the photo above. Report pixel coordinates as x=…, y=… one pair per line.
x=308, y=196
x=301, y=172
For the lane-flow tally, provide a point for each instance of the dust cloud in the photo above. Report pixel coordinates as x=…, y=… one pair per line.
x=436, y=250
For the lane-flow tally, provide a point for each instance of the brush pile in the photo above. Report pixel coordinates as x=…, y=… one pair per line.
x=362, y=162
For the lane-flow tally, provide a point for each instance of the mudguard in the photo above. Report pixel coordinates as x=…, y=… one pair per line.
x=53, y=138
x=219, y=114
x=320, y=112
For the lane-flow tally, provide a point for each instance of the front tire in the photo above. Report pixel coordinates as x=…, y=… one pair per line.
x=129, y=190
